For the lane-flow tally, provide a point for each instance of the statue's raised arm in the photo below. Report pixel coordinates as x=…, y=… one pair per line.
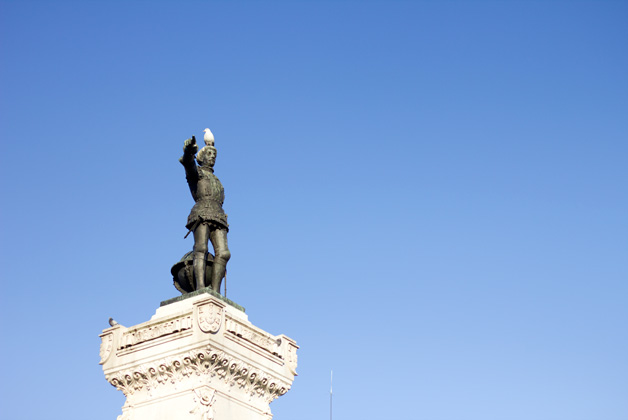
x=187, y=160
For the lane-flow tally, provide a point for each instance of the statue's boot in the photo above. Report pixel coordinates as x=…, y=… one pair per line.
x=199, y=269
x=218, y=272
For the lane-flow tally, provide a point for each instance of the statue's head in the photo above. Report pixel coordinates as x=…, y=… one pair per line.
x=207, y=156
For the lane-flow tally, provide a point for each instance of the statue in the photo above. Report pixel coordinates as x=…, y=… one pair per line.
x=207, y=220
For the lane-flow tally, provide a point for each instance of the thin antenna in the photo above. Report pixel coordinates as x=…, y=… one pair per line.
x=331, y=393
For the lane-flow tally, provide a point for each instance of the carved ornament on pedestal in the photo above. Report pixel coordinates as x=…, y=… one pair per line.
x=197, y=359
x=210, y=317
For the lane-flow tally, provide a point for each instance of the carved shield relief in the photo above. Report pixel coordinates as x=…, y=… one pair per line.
x=210, y=317
x=106, y=345
x=292, y=358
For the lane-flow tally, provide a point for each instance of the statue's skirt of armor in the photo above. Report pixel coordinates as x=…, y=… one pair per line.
x=183, y=272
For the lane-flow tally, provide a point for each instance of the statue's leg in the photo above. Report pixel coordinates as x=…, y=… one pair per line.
x=222, y=255
x=201, y=234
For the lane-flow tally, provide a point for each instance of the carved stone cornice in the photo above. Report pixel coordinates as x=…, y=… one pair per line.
x=141, y=334
x=209, y=363
x=259, y=338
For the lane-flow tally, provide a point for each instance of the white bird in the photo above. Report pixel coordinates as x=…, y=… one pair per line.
x=209, y=137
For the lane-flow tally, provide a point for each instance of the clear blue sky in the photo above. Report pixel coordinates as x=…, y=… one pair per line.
x=431, y=197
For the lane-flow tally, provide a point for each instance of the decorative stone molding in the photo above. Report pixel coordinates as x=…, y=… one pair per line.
x=134, y=336
x=201, y=362
x=106, y=345
x=263, y=340
x=291, y=356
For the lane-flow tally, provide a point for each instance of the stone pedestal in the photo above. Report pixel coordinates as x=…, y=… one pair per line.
x=197, y=358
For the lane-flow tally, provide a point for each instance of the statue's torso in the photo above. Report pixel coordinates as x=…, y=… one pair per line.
x=209, y=187
x=210, y=195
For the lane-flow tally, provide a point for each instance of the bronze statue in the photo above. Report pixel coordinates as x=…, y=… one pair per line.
x=207, y=220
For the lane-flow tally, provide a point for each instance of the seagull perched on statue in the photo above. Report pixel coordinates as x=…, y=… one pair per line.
x=209, y=137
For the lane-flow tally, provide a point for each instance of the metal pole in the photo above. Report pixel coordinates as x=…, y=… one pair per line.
x=331, y=394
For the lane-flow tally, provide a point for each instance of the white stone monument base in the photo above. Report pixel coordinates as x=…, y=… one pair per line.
x=197, y=358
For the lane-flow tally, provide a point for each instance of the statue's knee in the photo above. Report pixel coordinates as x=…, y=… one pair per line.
x=200, y=249
x=223, y=255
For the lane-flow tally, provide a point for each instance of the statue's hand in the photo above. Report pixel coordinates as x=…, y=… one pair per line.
x=190, y=147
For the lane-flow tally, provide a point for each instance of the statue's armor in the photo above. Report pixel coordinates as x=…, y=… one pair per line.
x=209, y=195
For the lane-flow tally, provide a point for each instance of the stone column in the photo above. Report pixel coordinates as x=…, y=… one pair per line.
x=197, y=358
